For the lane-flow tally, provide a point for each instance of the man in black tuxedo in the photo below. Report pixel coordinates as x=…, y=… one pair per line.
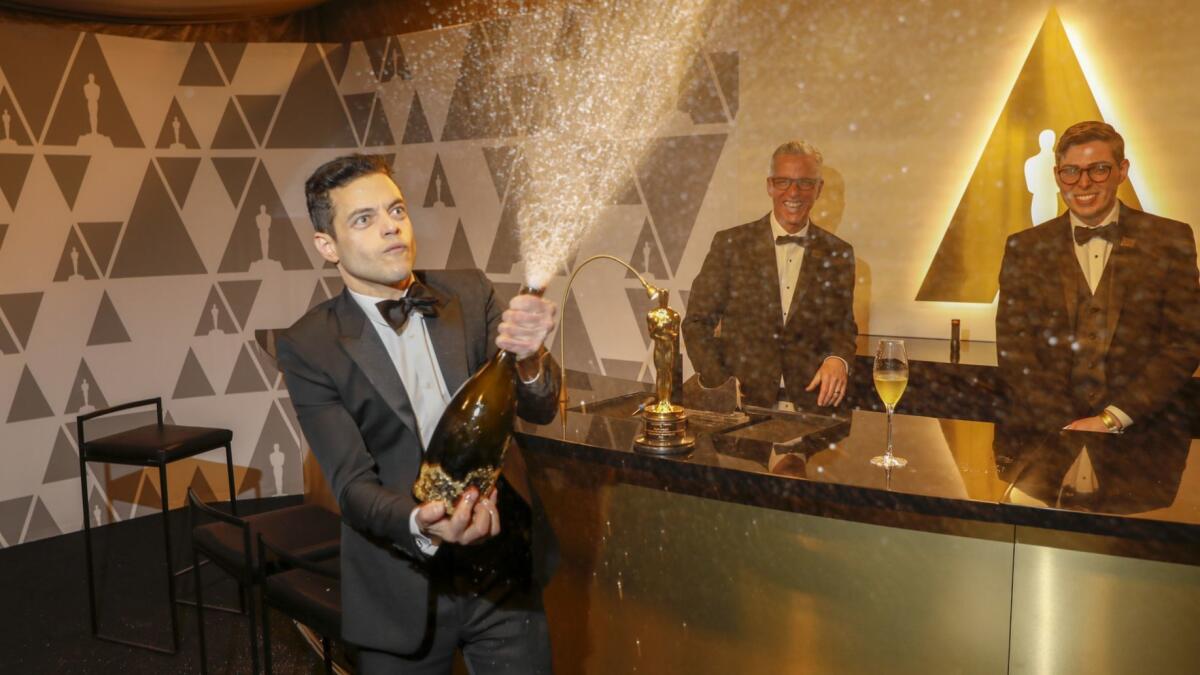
x=1098, y=325
x=736, y=321
x=370, y=372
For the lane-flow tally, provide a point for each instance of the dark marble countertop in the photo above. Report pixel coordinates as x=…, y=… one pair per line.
x=1144, y=484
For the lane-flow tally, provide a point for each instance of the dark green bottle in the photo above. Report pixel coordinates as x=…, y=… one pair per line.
x=467, y=447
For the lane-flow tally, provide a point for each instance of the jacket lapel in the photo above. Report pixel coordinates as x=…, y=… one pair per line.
x=814, y=257
x=1120, y=260
x=762, y=255
x=1062, y=255
x=447, y=332
x=363, y=345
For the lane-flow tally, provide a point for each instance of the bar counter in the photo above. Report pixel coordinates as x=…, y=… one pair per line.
x=990, y=552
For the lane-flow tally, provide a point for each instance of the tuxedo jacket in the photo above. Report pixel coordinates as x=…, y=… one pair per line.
x=738, y=290
x=360, y=424
x=1152, y=325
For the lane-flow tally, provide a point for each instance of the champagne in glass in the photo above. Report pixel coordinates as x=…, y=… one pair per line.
x=891, y=377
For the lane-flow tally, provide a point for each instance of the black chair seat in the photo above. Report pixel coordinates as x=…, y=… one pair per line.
x=306, y=530
x=311, y=599
x=155, y=444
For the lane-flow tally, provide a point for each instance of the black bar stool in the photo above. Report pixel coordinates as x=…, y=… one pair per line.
x=307, y=590
x=153, y=445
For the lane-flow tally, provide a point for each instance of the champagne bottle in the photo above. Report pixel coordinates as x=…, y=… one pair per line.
x=467, y=447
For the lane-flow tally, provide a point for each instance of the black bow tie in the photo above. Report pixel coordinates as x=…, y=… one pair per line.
x=1085, y=234
x=801, y=239
x=396, y=312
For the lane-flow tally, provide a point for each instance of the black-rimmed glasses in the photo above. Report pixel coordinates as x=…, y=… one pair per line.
x=1070, y=174
x=783, y=183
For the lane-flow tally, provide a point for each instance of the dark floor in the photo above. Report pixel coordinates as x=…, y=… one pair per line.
x=44, y=622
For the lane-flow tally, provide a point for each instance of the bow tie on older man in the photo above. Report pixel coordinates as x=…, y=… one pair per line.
x=801, y=239
x=418, y=299
x=1107, y=232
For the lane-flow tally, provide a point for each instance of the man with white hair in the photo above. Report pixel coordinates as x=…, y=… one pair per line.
x=773, y=303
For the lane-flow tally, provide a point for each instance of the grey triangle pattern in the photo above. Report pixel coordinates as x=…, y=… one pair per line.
x=17, y=134
x=200, y=70
x=640, y=305
x=319, y=295
x=438, y=192
x=64, y=460
x=75, y=263
x=507, y=167
x=380, y=132
x=673, y=171
x=155, y=243
x=107, y=328
x=241, y=295
x=581, y=355
x=86, y=394
x=277, y=457
x=68, y=171
x=727, y=67
x=263, y=211
x=699, y=97
x=394, y=64
x=7, y=344
x=3, y=231
x=461, y=257
x=337, y=56
x=505, y=248
x=416, y=130
x=170, y=138
x=266, y=363
x=259, y=110
x=88, y=84
x=231, y=131
x=205, y=490
x=13, y=171
x=289, y=411
x=245, y=378
x=41, y=523
x=29, y=403
x=101, y=240
x=647, y=258
x=376, y=49
x=215, y=318
x=627, y=370
x=179, y=173
x=13, y=514
x=100, y=510
x=235, y=174
x=334, y=285
x=192, y=382
x=35, y=81
x=359, y=106
x=21, y=310
x=229, y=57
x=311, y=114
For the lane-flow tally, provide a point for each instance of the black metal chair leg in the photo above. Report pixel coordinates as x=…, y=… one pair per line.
x=199, y=608
x=328, y=654
x=268, y=669
x=229, y=471
x=166, y=518
x=87, y=542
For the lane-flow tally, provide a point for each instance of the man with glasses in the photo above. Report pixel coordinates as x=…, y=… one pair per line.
x=773, y=303
x=1098, y=325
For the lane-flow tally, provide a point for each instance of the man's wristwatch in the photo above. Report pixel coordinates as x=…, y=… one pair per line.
x=1110, y=421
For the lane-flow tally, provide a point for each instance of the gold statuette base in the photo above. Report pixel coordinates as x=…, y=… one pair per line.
x=664, y=431
x=434, y=484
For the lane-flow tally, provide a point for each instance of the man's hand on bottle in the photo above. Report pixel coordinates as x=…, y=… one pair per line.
x=525, y=325
x=474, y=519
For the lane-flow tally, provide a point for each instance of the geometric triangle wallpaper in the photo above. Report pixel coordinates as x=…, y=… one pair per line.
x=149, y=227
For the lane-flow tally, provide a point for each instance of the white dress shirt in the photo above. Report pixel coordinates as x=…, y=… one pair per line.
x=1092, y=257
x=416, y=362
x=789, y=258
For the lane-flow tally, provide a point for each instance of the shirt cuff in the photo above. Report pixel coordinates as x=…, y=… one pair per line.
x=1125, y=420
x=425, y=543
x=834, y=356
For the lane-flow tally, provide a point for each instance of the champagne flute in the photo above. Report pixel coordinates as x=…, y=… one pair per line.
x=891, y=377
